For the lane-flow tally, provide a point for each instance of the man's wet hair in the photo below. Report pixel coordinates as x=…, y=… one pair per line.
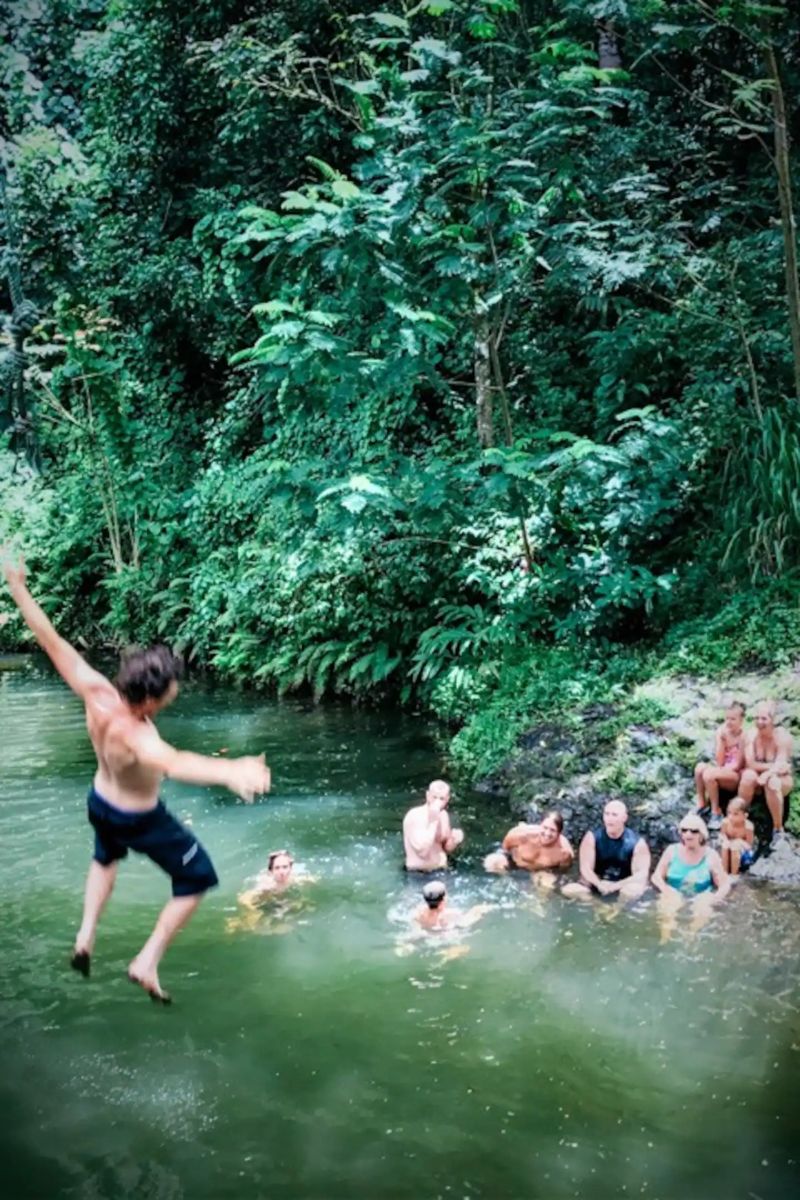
x=434, y=893
x=555, y=816
x=147, y=674
x=737, y=705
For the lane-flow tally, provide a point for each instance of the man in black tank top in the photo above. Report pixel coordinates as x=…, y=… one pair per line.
x=613, y=859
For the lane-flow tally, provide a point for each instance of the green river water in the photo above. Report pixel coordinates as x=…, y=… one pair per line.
x=565, y=1055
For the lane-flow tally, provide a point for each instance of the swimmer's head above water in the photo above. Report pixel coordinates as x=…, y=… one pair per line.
x=279, y=865
x=550, y=828
x=434, y=893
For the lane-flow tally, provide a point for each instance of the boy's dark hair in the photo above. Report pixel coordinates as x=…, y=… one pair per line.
x=434, y=893
x=147, y=674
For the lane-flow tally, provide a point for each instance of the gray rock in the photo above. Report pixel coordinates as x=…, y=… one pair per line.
x=578, y=766
x=492, y=785
x=781, y=867
x=642, y=737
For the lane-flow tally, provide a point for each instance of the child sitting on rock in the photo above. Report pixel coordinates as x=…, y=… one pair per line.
x=736, y=842
x=726, y=769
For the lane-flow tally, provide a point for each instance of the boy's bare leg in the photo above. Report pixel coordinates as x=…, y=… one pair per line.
x=144, y=968
x=735, y=857
x=99, y=886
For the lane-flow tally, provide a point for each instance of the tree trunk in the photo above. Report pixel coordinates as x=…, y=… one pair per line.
x=483, y=380
x=608, y=55
x=516, y=492
x=23, y=319
x=788, y=223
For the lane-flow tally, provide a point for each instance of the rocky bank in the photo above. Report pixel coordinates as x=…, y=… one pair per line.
x=644, y=752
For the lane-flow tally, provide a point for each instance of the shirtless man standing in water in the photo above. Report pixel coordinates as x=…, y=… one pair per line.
x=427, y=835
x=123, y=803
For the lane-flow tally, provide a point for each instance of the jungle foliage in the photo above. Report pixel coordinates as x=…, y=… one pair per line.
x=445, y=351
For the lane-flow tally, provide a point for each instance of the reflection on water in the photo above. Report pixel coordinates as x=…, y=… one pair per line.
x=279, y=912
x=567, y=1053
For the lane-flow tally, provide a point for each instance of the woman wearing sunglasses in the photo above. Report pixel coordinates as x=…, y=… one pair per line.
x=689, y=870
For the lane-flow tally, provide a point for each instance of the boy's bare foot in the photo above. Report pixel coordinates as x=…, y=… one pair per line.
x=147, y=978
x=81, y=962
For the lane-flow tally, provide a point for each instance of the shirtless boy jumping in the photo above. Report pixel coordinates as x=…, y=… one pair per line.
x=123, y=804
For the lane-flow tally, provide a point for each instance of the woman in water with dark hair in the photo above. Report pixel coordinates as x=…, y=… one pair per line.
x=278, y=876
x=268, y=887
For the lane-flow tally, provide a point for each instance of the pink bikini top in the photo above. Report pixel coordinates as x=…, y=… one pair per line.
x=731, y=755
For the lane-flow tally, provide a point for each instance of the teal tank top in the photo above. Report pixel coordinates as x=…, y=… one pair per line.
x=687, y=877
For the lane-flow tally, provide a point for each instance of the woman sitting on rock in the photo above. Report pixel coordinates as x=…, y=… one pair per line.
x=689, y=870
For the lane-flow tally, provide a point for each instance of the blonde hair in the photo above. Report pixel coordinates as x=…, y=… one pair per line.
x=737, y=804
x=692, y=821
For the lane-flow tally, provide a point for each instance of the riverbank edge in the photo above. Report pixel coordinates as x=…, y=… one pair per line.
x=642, y=750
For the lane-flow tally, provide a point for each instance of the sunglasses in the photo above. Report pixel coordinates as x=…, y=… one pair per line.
x=687, y=829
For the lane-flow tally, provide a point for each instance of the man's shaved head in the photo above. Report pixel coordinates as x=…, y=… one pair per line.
x=615, y=814
x=438, y=789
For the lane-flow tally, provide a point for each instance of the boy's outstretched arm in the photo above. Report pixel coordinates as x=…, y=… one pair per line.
x=72, y=668
x=247, y=777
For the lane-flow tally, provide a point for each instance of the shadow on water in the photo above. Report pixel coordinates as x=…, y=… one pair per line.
x=564, y=1052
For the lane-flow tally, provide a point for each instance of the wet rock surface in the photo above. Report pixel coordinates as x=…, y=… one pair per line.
x=648, y=764
x=781, y=866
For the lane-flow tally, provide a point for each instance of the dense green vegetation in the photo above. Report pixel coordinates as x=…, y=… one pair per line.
x=448, y=351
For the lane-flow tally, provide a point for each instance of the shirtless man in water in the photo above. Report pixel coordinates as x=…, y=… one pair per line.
x=541, y=847
x=123, y=804
x=768, y=767
x=427, y=834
